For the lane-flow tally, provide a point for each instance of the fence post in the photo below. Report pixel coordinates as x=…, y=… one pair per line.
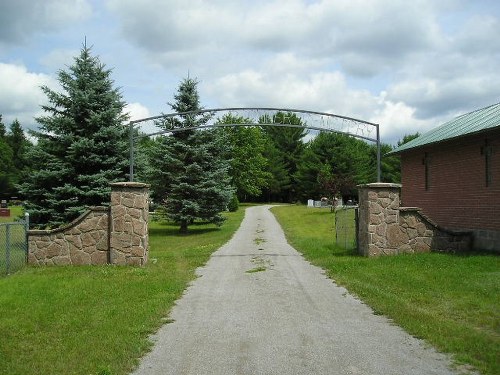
x=356, y=223
x=27, y=228
x=7, y=252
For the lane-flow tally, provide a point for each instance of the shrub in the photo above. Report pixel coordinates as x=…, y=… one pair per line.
x=234, y=204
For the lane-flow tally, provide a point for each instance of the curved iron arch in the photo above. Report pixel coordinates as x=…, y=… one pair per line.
x=328, y=122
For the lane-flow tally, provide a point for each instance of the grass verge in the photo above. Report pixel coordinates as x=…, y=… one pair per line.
x=15, y=213
x=15, y=258
x=96, y=319
x=450, y=301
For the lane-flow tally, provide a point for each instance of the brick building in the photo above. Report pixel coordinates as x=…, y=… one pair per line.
x=453, y=174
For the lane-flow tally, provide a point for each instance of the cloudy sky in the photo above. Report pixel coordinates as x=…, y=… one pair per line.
x=407, y=65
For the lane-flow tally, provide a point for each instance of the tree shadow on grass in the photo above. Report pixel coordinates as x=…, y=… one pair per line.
x=168, y=229
x=339, y=251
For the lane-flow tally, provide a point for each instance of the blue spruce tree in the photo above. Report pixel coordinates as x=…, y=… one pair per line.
x=188, y=172
x=81, y=145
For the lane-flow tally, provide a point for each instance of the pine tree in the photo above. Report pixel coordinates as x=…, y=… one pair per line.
x=334, y=161
x=188, y=173
x=279, y=178
x=82, y=144
x=6, y=164
x=2, y=128
x=20, y=146
x=289, y=145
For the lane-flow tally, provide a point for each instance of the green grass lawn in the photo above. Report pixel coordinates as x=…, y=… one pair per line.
x=345, y=228
x=96, y=319
x=15, y=213
x=450, y=301
x=15, y=260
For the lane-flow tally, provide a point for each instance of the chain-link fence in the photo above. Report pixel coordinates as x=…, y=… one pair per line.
x=346, y=227
x=13, y=246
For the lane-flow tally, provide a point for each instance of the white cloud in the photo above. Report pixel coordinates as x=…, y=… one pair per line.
x=58, y=59
x=290, y=82
x=406, y=65
x=299, y=54
x=21, y=19
x=364, y=36
x=137, y=111
x=21, y=96
x=398, y=119
x=435, y=97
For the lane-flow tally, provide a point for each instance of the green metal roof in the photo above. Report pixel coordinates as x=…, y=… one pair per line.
x=469, y=123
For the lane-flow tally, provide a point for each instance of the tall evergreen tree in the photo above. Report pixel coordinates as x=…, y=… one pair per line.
x=2, y=128
x=20, y=146
x=82, y=144
x=280, y=179
x=188, y=173
x=290, y=145
x=334, y=161
x=6, y=169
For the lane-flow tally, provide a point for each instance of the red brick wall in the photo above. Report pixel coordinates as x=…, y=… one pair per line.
x=457, y=197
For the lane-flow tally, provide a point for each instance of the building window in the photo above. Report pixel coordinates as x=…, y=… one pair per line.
x=487, y=151
x=426, y=162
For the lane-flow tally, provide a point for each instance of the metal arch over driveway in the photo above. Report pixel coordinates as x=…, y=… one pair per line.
x=311, y=120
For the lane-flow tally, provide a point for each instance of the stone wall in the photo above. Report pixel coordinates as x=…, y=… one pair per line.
x=129, y=223
x=102, y=235
x=83, y=241
x=386, y=228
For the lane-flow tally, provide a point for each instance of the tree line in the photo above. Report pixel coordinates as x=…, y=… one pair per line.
x=13, y=158
x=81, y=145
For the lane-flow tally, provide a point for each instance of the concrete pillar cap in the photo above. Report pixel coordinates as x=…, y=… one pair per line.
x=133, y=185
x=379, y=185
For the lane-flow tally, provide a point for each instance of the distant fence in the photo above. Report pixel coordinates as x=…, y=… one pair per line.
x=346, y=227
x=13, y=246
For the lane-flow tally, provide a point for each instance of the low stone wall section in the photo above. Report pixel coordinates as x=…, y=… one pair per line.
x=102, y=235
x=129, y=224
x=385, y=228
x=83, y=241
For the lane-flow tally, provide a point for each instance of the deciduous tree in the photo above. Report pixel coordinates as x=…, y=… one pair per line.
x=248, y=167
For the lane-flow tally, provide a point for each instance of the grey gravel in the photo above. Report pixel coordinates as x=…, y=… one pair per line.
x=259, y=308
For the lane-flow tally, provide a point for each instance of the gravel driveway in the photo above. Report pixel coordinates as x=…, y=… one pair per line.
x=259, y=308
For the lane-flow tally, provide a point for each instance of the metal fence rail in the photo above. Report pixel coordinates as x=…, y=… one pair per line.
x=13, y=246
x=346, y=227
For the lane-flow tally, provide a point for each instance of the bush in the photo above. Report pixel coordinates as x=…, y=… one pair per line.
x=234, y=204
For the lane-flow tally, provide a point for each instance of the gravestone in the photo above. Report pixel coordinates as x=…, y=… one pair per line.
x=4, y=211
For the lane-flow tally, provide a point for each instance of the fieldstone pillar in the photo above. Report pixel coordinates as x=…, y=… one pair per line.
x=379, y=230
x=129, y=223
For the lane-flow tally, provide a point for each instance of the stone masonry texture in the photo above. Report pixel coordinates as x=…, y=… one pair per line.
x=386, y=228
x=84, y=241
x=129, y=223
x=117, y=234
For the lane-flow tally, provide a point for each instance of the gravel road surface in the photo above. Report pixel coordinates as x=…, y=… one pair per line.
x=259, y=308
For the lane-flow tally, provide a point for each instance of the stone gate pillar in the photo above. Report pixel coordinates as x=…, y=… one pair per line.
x=378, y=218
x=129, y=223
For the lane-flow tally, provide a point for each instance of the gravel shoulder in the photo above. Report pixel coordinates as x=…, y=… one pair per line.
x=258, y=307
